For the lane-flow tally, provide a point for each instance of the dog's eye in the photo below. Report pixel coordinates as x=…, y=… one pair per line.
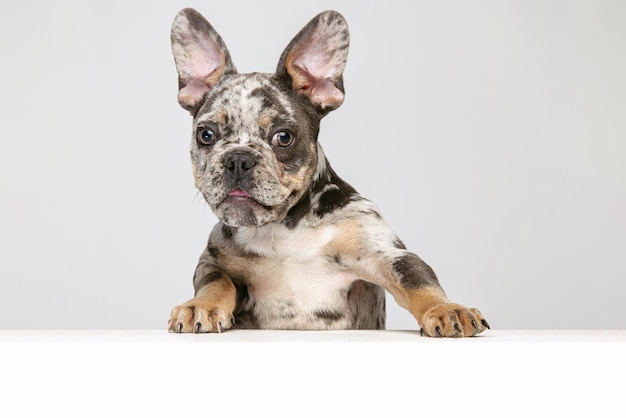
x=206, y=136
x=283, y=139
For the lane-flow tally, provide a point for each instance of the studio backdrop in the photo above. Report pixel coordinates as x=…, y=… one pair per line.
x=491, y=134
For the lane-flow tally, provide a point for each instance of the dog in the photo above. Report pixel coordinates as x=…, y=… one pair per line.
x=296, y=247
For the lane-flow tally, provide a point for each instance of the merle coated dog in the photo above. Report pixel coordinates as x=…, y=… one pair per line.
x=296, y=247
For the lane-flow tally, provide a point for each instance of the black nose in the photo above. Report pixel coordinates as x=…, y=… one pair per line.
x=238, y=164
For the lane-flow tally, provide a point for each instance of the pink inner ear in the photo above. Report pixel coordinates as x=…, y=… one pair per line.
x=192, y=93
x=200, y=64
x=326, y=94
x=314, y=61
x=315, y=72
x=315, y=78
x=201, y=59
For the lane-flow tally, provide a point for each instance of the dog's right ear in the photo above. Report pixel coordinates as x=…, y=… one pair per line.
x=315, y=59
x=200, y=55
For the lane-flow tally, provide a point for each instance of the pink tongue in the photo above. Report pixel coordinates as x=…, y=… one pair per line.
x=238, y=193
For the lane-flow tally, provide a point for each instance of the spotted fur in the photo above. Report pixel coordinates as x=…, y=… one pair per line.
x=296, y=246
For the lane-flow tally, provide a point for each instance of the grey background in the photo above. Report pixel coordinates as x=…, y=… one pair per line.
x=491, y=134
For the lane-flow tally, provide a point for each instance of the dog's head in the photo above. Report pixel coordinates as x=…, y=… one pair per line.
x=254, y=148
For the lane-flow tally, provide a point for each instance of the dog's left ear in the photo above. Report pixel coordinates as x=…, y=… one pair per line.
x=315, y=59
x=200, y=55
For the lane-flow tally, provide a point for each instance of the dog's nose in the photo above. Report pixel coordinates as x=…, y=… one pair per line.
x=239, y=163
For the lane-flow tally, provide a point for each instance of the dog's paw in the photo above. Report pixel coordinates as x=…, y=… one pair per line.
x=452, y=320
x=198, y=315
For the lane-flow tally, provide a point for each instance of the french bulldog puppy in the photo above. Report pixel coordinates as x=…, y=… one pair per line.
x=296, y=247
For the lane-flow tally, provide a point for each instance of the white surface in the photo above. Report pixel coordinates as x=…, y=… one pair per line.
x=311, y=374
x=278, y=337
x=490, y=133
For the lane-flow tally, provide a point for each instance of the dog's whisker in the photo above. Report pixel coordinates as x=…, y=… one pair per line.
x=198, y=197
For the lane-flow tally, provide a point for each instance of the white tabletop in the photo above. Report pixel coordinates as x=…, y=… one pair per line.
x=311, y=373
x=280, y=336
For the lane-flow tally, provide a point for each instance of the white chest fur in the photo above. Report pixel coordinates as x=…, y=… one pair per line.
x=277, y=241
x=293, y=284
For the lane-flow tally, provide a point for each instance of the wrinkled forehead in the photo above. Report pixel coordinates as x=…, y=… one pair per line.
x=248, y=100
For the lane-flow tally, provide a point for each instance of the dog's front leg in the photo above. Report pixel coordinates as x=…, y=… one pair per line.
x=371, y=249
x=415, y=287
x=211, y=310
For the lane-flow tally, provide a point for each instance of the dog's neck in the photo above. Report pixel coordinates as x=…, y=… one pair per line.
x=326, y=192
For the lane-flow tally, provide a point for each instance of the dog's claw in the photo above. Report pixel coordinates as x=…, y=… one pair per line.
x=198, y=326
x=485, y=323
x=421, y=332
x=219, y=327
x=180, y=328
x=474, y=324
x=438, y=331
x=458, y=328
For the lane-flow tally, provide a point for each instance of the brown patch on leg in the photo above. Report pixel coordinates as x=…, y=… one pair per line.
x=438, y=317
x=210, y=311
x=348, y=243
x=410, y=281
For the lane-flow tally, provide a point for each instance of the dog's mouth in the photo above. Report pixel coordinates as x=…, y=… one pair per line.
x=239, y=197
x=239, y=194
x=240, y=208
